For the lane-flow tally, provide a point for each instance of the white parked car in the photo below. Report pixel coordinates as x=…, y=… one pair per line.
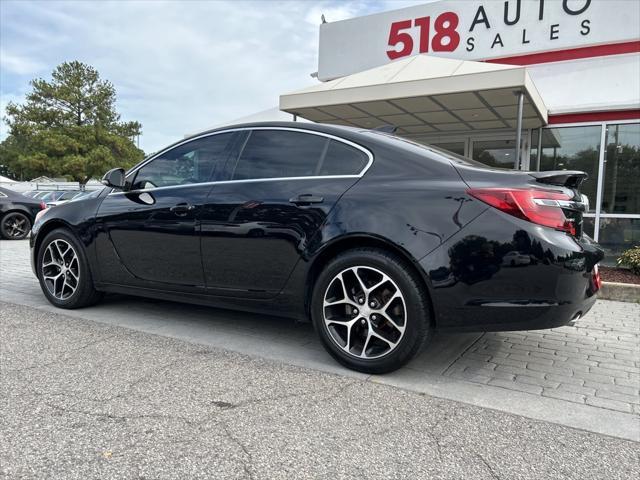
x=65, y=197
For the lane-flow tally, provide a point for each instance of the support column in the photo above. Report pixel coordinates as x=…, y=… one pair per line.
x=519, y=130
x=539, y=155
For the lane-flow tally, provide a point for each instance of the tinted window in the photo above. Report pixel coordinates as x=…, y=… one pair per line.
x=341, y=159
x=193, y=162
x=279, y=153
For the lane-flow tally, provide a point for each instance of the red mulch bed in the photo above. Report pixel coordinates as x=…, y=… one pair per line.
x=620, y=275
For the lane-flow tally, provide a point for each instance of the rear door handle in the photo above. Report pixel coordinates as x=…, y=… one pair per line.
x=306, y=198
x=182, y=208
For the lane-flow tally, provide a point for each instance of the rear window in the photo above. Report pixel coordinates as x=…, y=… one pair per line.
x=406, y=143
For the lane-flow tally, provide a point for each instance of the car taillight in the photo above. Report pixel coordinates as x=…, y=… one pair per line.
x=42, y=205
x=542, y=207
x=40, y=214
x=596, y=279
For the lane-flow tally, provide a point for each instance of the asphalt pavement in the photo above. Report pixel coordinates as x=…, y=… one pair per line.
x=84, y=400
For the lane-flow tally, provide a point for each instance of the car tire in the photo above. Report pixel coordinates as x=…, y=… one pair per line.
x=15, y=226
x=364, y=294
x=64, y=273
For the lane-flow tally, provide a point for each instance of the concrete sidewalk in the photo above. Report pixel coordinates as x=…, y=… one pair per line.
x=85, y=400
x=587, y=376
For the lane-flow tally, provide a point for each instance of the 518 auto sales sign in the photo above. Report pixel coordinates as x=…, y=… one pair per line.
x=474, y=30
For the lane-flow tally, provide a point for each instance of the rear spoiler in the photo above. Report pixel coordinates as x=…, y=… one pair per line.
x=564, y=178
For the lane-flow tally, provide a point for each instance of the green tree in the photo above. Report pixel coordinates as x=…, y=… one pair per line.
x=68, y=127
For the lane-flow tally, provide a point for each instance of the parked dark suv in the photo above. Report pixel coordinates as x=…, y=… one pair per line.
x=17, y=213
x=378, y=240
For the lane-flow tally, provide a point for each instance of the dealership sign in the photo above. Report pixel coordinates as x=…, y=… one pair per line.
x=474, y=30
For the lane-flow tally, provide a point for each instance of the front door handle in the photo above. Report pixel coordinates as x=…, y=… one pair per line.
x=306, y=199
x=182, y=209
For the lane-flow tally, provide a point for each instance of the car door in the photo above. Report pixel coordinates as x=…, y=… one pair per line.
x=153, y=225
x=280, y=190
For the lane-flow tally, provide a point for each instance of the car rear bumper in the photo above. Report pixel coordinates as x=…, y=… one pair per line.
x=502, y=273
x=508, y=317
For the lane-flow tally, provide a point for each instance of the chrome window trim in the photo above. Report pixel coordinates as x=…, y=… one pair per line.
x=252, y=180
x=222, y=182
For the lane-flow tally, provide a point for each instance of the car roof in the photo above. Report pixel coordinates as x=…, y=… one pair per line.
x=371, y=139
x=316, y=127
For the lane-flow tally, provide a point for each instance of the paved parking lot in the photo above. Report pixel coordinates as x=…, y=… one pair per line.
x=84, y=400
x=586, y=376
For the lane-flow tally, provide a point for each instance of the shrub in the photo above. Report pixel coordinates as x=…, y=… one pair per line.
x=631, y=259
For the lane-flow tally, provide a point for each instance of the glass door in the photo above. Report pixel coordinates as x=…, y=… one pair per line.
x=495, y=152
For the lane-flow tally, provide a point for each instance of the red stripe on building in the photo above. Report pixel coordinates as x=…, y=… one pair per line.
x=594, y=116
x=570, y=54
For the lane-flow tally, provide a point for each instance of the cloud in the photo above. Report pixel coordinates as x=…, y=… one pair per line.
x=19, y=65
x=178, y=67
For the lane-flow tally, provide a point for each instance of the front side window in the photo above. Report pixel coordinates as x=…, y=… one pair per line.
x=197, y=161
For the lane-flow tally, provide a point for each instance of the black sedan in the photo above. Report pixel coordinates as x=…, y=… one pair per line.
x=378, y=240
x=17, y=213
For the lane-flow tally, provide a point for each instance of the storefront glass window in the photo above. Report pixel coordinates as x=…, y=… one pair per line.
x=495, y=153
x=589, y=226
x=618, y=235
x=455, y=147
x=621, y=193
x=570, y=148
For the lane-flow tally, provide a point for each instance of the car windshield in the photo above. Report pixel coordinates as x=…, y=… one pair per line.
x=68, y=195
x=87, y=194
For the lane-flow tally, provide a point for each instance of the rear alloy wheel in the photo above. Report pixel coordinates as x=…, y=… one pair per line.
x=15, y=226
x=370, y=310
x=64, y=273
x=364, y=312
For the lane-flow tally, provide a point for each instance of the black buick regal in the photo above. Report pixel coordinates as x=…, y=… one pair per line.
x=377, y=240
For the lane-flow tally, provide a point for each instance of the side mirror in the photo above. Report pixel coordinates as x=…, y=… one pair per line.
x=114, y=178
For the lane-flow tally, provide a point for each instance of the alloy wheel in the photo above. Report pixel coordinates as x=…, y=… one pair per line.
x=15, y=226
x=60, y=269
x=364, y=312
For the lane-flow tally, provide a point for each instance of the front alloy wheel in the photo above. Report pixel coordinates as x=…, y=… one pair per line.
x=64, y=272
x=60, y=269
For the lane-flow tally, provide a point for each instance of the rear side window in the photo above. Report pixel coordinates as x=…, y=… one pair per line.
x=279, y=154
x=342, y=159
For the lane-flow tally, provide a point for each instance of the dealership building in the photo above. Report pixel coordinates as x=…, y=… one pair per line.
x=524, y=84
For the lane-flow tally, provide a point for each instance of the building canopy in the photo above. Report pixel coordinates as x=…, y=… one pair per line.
x=424, y=94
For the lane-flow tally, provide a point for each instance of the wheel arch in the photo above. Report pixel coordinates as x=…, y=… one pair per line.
x=44, y=230
x=18, y=209
x=349, y=242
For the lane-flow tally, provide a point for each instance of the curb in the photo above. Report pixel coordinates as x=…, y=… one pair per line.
x=622, y=292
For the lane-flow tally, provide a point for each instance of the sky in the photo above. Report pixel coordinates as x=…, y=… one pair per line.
x=178, y=67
